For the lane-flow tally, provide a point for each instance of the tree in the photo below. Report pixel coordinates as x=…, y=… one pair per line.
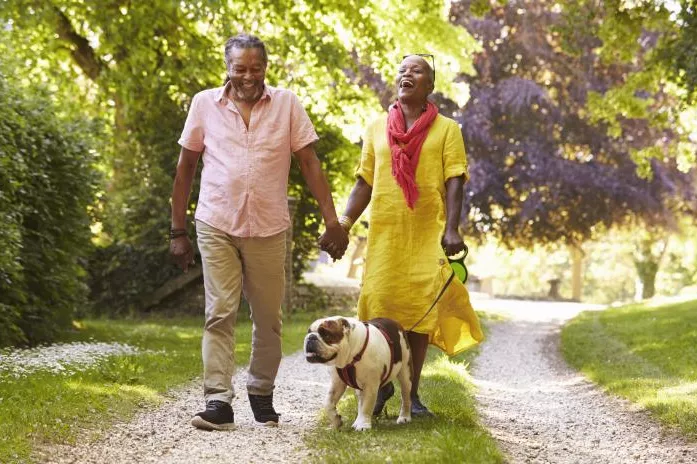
x=545, y=166
x=137, y=64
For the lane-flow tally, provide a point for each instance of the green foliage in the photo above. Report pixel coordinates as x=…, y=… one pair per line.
x=646, y=354
x=47, y=182
x=138, y=65
x=647, y=44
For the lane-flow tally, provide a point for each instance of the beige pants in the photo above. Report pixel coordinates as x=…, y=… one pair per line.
x=255, y=265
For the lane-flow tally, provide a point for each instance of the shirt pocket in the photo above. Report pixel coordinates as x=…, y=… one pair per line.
x=274, y=137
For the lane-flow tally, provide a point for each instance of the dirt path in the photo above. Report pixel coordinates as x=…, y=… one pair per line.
x=164, y=435
x=541, y=411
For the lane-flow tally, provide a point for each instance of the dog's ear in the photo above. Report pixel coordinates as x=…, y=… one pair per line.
x=345, y=324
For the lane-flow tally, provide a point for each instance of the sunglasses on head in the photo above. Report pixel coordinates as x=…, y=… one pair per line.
x=426, y=55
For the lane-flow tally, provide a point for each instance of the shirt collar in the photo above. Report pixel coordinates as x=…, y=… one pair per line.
x=221, y=94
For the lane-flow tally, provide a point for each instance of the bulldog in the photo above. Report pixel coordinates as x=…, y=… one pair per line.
x=364, y=356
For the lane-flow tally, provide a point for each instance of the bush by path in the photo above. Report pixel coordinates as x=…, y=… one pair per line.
x=643, y=353
x=47, y=181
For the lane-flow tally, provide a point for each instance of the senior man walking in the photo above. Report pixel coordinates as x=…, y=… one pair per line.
x=246, y=132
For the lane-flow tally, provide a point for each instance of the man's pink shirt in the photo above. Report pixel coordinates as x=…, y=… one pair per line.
x=244, y=183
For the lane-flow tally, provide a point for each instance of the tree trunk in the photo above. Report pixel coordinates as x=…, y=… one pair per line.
x=576, y=272
x=648, y=254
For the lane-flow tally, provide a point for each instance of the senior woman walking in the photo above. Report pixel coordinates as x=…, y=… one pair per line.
x=413, y=166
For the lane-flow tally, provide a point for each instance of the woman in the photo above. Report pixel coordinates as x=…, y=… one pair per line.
x=413, y=167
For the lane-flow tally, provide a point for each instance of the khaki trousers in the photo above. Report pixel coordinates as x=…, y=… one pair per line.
x=231, y=265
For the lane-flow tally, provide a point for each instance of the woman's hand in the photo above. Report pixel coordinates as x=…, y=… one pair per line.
x=452, y=242
x=334, y=241
x=182, y=252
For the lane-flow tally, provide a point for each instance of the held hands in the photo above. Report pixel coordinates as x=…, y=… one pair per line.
x=452, y=242
x=182, y=252
x=334, y=240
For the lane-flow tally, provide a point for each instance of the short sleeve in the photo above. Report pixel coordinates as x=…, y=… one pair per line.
x=302, y=132
x=366, y=166
x=193, y=133
x=454, y=156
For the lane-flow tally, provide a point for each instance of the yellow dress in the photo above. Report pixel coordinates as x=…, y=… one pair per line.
x=406, y=266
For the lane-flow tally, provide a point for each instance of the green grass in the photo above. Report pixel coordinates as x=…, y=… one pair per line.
x=646, y=354
x=43, y=408
x=455, y=435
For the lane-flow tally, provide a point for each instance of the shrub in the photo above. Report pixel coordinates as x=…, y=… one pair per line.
x=47, y=181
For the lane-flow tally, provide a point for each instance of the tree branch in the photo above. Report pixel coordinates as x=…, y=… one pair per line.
x=81, y=51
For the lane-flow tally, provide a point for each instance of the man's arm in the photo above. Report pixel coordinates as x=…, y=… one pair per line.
x=335, y=239
x=180, y=247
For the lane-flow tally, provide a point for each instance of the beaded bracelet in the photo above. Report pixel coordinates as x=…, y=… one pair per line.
x=175, y=233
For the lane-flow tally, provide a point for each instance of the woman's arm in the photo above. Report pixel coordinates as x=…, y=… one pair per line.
x=358, y=201
x=452, y=242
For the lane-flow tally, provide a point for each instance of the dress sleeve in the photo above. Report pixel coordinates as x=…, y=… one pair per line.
x=366, y=166
x=454, y=156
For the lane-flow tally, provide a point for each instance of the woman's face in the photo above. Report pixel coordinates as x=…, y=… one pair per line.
x=414, y=79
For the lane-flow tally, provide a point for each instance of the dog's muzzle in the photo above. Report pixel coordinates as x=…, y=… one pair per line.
x=312, y=349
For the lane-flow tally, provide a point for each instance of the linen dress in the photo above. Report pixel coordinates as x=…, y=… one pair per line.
x=405, y=265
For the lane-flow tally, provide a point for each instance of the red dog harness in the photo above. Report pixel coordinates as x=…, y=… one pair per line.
x=348, y=372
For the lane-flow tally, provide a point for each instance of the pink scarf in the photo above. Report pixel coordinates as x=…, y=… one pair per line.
x=406, y=147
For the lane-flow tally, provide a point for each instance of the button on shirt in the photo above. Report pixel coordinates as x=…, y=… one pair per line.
x=244, y=183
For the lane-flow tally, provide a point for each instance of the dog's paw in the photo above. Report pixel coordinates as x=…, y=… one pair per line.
x=361, y=426
x=403, y=420
x=337, y=422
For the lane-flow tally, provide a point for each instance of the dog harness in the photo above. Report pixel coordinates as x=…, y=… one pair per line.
x=348, y=373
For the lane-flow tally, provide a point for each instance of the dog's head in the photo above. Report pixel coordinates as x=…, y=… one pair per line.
x=326, y=338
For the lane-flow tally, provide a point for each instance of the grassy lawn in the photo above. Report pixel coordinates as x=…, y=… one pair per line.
x=45, y=408
x=646, y=354
x=455, y=435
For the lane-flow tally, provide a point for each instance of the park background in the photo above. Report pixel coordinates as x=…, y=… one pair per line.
x=578, y=116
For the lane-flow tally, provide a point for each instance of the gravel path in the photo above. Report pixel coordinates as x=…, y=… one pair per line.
x=164, y=435
x=541, y=411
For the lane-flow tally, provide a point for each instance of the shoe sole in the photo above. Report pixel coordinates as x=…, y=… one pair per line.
x=202, y=424
x=266, y=424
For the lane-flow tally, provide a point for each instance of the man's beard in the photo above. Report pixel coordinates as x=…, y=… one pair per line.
x=247, y=94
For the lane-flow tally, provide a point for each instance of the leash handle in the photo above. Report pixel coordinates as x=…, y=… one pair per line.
x=450, y=279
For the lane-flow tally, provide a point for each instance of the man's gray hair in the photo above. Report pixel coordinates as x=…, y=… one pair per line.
x=245, y=41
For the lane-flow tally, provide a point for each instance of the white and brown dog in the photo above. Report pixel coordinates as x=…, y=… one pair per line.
x=364, y=356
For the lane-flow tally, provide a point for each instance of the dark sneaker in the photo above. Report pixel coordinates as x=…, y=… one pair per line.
x=262, y=407
x=217, y=416
x=418, y=409
x=384, y=394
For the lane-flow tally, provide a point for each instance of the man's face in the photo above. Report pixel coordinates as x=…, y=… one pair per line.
x=246, y=69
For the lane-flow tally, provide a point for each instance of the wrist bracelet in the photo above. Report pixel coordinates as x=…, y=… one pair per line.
x=346, y=222
x=175, y=233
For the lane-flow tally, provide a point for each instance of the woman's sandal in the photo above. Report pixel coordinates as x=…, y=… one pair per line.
x=418, y=409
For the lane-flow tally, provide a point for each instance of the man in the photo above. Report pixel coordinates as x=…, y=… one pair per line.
x=246, y=132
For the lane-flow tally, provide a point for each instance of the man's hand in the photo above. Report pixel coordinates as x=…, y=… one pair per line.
x=182, y=252
x=334, y=241
x=452, y=242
